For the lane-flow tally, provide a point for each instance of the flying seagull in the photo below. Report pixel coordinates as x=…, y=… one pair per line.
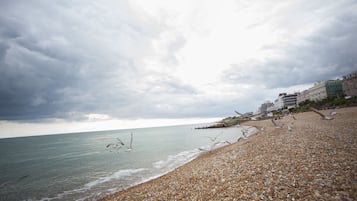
x=333, y=113
x=213, y=145
x=323, y=117
x=213, y=139
x=244, y=132
x=250, y=117
x=222, y=142
x=130, y=147
x=240, y=114
x=119, y=144
x=116, y=146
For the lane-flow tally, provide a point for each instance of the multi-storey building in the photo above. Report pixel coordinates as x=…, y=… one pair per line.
x=290, y=100
x=349, y=84
x=303, y=96
x=318, y=91
x=334, y=88
x=279, y=103
x=283, y=101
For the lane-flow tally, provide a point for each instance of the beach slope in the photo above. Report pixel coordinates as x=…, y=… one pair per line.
x=315, y=160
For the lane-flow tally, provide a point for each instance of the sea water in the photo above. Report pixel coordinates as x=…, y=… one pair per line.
x=79, y=166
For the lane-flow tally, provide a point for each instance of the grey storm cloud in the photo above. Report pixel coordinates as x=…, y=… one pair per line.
x=329, y=53
x=65, y=59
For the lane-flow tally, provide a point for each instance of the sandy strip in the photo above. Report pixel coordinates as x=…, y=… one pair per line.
x=317, y=160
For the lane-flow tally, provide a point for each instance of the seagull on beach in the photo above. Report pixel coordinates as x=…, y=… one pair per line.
x=277, y=125
x=289, y=129
x=324, y=117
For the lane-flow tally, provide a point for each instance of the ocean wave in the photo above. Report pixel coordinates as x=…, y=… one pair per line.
x=26, y=160
x=251, y=130
x=174, y=161
x=72, y=155
x=121, y=174
x=117, y=175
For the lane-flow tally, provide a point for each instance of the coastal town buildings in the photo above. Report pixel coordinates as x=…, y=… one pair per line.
x=349, y=84
x=319, y=91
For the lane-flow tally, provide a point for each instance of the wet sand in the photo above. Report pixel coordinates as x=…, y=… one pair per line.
x=316, y=160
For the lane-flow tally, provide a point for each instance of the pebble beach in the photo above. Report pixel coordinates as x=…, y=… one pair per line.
x=314, y=160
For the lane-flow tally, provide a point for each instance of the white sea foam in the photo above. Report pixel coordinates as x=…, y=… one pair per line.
x=251, y=130
x=117, y=175
x=72, y=155
x=121, y=174
x=174, y=161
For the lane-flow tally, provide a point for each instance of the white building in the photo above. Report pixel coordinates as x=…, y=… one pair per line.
x=321, y=90
x=290, y=100
x=279, y=102
x=318, y=91
x=303, y=96
x=271, y=108
x=284, y=100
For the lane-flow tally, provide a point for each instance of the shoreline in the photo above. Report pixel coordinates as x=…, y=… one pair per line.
x=251, y=130
x=271, y=164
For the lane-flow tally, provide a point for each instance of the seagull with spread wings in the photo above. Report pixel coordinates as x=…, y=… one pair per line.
x=119, y=144
x=324, y=117
x=130, y=147
x=213, y=139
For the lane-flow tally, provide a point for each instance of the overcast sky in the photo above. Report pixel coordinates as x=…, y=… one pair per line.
x=79, y=63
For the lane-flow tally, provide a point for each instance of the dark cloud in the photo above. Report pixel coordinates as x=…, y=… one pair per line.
x=326, y=54
x=66, y=60
x=3, y=50
x=57, y=60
